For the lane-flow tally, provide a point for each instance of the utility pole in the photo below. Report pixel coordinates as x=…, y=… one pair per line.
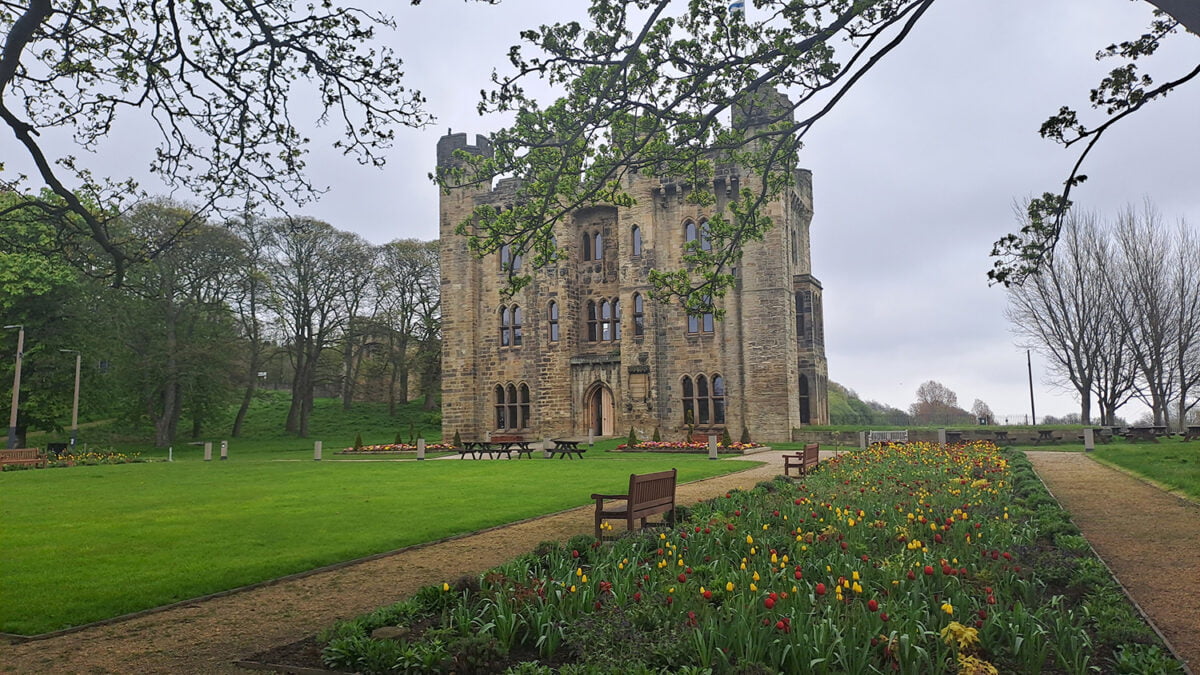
x=16, y=390
x=1032, y=410
x=75, y=403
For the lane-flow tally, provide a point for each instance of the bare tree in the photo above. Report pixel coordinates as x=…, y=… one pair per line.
x=1185, y=294
x=1060, y=310
x=1115, y=372
x=937, y=404
x=982, y=411
x=1149, y=315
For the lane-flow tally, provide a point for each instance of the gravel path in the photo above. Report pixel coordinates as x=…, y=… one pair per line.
x=1151, y=540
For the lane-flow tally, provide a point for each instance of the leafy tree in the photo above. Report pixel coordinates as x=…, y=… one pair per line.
x=172, y=322
x=41, y=293
x=310, y=268
x=216, y=80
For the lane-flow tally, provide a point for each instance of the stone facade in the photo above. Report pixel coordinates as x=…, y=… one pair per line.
x=571, y=354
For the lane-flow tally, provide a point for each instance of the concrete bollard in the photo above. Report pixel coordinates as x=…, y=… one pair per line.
x=317, y=451
x=591, y=438
x=420, y=448
x=1089, y=440
x=862, y=440
x=712, y=447
x=941, y=436
x=224, y=450
x=208, y=451
x=171, y=453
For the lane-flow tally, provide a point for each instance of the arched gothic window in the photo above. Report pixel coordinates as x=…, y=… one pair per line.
x=635, y=239
x=639, y=315
x=553, y=321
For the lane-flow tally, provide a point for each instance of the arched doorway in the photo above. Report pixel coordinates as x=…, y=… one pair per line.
x=599, y=405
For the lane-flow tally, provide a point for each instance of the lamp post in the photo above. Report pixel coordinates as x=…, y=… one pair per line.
x=16, y=390
x=75, y=403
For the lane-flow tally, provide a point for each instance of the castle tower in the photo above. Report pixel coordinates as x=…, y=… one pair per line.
x=595, y=355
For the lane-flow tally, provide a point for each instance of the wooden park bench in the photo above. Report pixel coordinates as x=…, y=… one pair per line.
x=900, y=436
x=804, y=461
x=30, y=456
x=649, y=493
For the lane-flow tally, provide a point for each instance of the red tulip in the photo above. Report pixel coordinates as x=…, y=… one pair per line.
x=872, y=605
x=769, y=603
x=820, y=589
x=929, y=570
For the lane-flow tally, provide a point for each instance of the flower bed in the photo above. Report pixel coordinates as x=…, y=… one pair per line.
x=909, y=559
x=392, y=448
x=96, y=457
x=685, y=446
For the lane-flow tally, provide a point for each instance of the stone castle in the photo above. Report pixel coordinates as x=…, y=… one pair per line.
x=584, y=350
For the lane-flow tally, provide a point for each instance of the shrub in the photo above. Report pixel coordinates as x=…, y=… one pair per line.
x=457, y=439
x=358, y=442
x=657, y=437
x=633, y=439
x=725, y=439
x=745, y=436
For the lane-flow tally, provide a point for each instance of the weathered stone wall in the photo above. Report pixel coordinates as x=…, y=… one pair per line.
x=760, y=349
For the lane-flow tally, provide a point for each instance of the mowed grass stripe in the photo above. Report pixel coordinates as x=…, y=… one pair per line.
x=88, y=543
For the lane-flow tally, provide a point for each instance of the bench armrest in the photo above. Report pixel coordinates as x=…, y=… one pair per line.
x=596, y=496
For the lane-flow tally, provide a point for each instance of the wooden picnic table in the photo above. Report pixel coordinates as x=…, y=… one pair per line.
x=565, y=448
x=954, y=436
x=1192, y=433
x=1151, y=433
x=1001, y=436
x=1046, y=435
x=493, y=449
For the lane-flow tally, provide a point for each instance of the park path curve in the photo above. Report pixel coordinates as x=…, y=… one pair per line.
x=1149, y=538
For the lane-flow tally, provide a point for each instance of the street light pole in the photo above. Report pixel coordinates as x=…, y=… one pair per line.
x=16, y=390
x=75, y=403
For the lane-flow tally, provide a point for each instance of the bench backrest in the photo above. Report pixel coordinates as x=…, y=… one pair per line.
x=651, y=489
x=888, y=436
x=21, y=453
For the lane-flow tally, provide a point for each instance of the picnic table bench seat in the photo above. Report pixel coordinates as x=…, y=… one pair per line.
x=23, y=456
x=804, y=461
x=648, y=494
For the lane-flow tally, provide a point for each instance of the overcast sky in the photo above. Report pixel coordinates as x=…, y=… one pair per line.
x=915, y=173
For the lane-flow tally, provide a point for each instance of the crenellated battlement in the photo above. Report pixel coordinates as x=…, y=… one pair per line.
x=450, y=142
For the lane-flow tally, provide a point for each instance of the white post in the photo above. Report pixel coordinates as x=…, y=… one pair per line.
x=208, y=451
x=1089, y=440
x=171, y=453
x=862, y=440
x=317, y=450
x=941, y=436
x=224, y=450
x=591, y=437
x=420, y=448
x=712, y=447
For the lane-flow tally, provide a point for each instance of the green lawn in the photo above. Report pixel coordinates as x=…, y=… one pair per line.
x=86, y=543
x=1169, y=463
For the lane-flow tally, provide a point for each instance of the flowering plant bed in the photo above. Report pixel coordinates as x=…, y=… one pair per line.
x=912, y=559
x=685, y=446
x=96, y=457
x=392, y=448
